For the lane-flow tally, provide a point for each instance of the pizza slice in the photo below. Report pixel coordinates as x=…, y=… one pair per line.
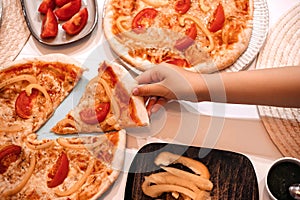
x=62, y=168
x=107, y=104
x=31, y=90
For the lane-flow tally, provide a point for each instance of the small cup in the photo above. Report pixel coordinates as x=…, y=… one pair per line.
x=282, y=173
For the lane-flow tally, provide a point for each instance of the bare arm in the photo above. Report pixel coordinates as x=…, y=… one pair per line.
x=276, y=86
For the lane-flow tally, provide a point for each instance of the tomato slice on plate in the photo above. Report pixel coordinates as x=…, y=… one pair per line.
x=76, y=23
x=45, y=5
x=60, y=3
x=182, y=6
x=94, y=116
x=68, y=10
x=23, y=105
x=219, y=19
x=8, y=154
x=188, y=40
x=143, y=19
x=59, y=171
x=49, y=25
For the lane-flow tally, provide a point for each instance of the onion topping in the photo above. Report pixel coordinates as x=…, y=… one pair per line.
x=23, y=77
x=156, y=3
x=79, y=183
x=29, y=88
x=201, y=26
x=24, y=180
x=115, y=106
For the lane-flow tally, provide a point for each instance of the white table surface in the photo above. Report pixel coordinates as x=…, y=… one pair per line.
x=84, y=52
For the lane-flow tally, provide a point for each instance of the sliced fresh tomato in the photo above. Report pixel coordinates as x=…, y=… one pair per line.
x=59, y=171
x=23, y=105
x=94, y=116
x=49, y=25
x=188, y=40
x=179, y=62
x=76, y=23
x=219, y=19
x=8, y=154
x=60, y=3
x=45, y=5
x=182, y=6
x=67, y=11
x=143, y=20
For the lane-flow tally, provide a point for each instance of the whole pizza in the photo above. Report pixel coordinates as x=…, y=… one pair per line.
x=198, y=35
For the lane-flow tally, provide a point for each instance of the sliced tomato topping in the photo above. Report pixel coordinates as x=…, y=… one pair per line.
x=76, y=23
x=179, y=62
x=219, y=19
x=68, y=10
x=60, y=3
x=182, y=6
x=188, y=40
x=45, y=5
x=59, y=171
x=8, y=154
x=143, y=20
x=23, y=105
x=94, y=116
x=49, y=25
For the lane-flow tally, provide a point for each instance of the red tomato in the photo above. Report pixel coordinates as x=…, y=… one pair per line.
x=76, y=23
x=179, y=62
x=93, y=116
x=23, y=105
x=182, y=6
x=188, y=40
x=59, y=171
x=219, y=19
x=68, y=10
x=49, y=26
x=60, y=3
x=8, y=154
x=45, y=5
x=143, y=20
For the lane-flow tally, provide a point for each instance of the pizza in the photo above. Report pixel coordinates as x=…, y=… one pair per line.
x=31, y=90
x=107, y=104
x=198, y=35
x=62, y=168
x=55, y=168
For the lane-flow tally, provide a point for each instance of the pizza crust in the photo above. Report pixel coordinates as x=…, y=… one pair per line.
x=54, y=57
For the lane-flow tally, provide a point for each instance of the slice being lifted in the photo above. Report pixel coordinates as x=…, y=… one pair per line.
x=107, y=104
x=31, y=90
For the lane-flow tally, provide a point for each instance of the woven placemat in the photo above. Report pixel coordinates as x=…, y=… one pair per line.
x=13, y=31
x=282, y=49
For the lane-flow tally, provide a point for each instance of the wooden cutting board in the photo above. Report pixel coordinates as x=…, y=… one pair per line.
x=232, y=173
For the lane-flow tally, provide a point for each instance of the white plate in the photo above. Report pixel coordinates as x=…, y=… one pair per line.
x=34, y=22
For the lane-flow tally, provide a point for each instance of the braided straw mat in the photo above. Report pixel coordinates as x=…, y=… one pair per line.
x=282, y=49
x=13, y=31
